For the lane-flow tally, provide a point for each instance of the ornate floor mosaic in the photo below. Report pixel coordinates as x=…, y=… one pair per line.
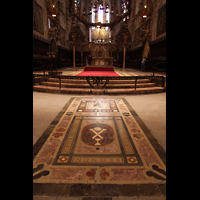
x=98, y=141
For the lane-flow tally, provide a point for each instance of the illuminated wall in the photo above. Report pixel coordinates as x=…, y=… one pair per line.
x=99, y=35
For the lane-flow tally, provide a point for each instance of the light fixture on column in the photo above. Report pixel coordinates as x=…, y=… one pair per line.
x=106, y=9
x=144, y=14
x=112, y=10
x=95, y=8
x=53, y=10
x=84, y=11
x=90, y=11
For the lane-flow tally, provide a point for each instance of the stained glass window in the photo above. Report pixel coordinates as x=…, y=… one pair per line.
x=100, y=14
x=76, y=5
x=125, y=6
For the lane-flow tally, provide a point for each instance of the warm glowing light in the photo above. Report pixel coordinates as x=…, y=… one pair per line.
x=100, y=14
x=107, y=16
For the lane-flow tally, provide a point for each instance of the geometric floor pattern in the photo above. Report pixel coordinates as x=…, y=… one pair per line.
x=98, y=141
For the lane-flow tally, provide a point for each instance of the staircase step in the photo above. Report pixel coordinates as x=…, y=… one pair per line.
x=68, y=85
x=137, y=91
x=86, y=85
x=139, y=85
x=79, y=81
x=42, y=88
x=129, y=81
x=81, y=86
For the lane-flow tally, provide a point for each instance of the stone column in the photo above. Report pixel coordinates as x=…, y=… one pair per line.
x=117, y=57
x=81, y=57
x=124, y=58
x=74, y=59
x=86, y=61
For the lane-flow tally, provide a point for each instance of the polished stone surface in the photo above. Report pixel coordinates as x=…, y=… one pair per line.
x=94, y=144
x=147, y=107
x=150, y=107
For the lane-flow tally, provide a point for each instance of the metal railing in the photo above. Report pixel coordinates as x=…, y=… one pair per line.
x=99, y=81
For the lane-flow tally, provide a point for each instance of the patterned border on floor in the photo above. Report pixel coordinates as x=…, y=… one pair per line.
x=153, y=159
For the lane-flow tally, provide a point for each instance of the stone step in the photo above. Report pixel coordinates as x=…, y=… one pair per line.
x=79, y=81
x=138, y=85
x=137, y=91
x=42, y=88
x=86, y=85
x=68, y=85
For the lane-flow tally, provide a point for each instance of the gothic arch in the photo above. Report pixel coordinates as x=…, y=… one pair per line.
x=104, y=3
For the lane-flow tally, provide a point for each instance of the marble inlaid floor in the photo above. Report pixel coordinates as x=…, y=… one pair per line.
x=98, y=141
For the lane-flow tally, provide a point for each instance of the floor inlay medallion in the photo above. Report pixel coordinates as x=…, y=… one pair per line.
x=98, y=141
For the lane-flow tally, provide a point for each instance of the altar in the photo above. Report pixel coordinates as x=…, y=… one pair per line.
x=102, y=61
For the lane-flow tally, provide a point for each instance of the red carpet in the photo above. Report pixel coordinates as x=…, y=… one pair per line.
x=98, y=71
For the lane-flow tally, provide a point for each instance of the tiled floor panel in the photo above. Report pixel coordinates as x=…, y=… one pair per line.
x=99, y=141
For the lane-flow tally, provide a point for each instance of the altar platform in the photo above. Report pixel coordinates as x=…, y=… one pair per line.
x=93, y=70
x=101, y=61
x=125, y=82
x=128, y=71
x=98, y=68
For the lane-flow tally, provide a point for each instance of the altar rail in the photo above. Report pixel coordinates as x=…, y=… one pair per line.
x=99, y=81
x=102, y=61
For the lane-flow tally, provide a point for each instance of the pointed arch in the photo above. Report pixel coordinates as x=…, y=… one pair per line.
x=101, y=14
